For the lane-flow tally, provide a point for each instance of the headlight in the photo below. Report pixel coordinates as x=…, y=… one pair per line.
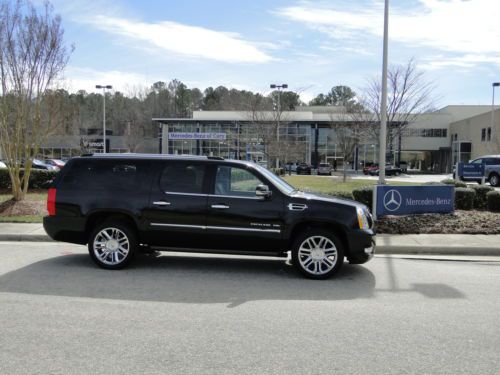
x=362, y=219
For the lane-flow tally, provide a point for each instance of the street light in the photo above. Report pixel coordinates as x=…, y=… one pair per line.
x=494, y=84
x=104, y=87
x=279, y=88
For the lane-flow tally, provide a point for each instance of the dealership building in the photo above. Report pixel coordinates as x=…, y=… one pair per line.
x=434, y=142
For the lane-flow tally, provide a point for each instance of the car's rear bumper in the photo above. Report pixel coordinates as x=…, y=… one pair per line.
x=66, y=229
x=361, y=246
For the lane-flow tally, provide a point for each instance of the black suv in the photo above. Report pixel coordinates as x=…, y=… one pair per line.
x=123, y=204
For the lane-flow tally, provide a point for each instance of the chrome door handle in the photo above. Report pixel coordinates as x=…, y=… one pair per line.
x=161, y=203
x=220, y=206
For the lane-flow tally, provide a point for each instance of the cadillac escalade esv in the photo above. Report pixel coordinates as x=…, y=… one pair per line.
x=123, y=204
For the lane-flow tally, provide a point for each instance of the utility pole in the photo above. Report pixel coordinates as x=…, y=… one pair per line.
x=383, y=106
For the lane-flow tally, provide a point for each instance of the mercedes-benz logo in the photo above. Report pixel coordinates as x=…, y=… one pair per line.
x=392, y=200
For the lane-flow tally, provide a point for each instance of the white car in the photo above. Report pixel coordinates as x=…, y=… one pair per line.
x=2, y=164
x=324, y=168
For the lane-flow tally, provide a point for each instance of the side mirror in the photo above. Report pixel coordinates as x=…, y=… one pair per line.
x=262, y=191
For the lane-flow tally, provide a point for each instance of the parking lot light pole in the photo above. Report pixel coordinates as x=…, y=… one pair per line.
x=493, y=133
x=104, y=87
x=279, y=88
x=383, y=104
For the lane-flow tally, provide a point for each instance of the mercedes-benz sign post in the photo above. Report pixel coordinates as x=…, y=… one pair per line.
x=408, y=200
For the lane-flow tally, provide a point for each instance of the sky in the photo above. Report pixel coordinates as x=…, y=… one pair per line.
x=310, y=45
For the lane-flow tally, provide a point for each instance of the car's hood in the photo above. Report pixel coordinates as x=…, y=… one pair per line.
x=327, y=198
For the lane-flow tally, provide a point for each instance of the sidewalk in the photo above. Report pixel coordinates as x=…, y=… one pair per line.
x=435, y=244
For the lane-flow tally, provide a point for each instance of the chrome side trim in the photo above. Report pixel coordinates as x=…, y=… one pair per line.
x=178, y=226
x=190, y=194
x=245, y=229
x=233, y=196
x=215, y=227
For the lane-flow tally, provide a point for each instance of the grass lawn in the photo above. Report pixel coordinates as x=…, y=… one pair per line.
x=37, y=195
x=328, y=185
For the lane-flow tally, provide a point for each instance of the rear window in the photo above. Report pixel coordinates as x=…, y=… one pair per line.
x=324, y=165
x=115, y=175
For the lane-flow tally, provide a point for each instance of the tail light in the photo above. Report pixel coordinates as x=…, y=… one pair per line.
x=51, y=202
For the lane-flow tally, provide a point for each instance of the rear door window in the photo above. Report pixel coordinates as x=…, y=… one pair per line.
x=182, y=177
x=113, y=175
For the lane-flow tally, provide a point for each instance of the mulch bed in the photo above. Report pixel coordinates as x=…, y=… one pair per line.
x=23, y=208
x=461, y=222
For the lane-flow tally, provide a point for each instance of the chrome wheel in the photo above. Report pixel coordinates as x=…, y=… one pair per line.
x=111, y=246
x=494, y=180
x=317, y=255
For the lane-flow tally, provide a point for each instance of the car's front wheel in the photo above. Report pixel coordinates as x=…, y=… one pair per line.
x=112, y=245
x=317, y=254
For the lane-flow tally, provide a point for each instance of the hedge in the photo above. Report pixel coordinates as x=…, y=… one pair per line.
x=493, y=201
x=480, y=201
x=458, y=184
x=364, y=195
x=39, y=178
x=342, y=194
x=464, y=198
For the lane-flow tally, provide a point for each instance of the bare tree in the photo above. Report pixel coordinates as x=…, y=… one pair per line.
x=350, y=131
x=32, y=56
x=409, y=96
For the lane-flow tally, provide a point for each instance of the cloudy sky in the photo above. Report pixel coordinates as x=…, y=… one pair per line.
x=311, y=45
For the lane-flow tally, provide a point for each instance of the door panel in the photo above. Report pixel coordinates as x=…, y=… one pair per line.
x=176, y=215
x=237, y=219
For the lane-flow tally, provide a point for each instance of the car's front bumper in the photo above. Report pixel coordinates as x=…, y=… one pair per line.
x=361, y=246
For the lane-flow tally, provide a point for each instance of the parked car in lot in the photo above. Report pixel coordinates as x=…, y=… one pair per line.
x=121, y=204
x=2, y=164
x=491, y=169
x=389, y=171
x=303, y=168
x=291, y=167
x=370, y=167
x=55, y=163
x=324, y=169
x=38, y=164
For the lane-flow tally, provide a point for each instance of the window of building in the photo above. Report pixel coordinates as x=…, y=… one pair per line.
x=483, y=134
x=181, y=177
x=236, y=182
x=489, y=134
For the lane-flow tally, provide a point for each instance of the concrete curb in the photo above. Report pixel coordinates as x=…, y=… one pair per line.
x=382, y=248
x=441, y=250
x=4, y=237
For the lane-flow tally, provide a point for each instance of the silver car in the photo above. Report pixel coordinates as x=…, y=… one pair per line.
x=324, y=169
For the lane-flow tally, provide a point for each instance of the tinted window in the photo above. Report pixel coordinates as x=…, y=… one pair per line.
x=182, y=178
x=114, y=175
x=235, y=182
x=477, y=161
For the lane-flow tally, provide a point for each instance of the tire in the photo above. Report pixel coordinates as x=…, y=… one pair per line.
x=318, y=265
x=494, y=180
x=115, y=238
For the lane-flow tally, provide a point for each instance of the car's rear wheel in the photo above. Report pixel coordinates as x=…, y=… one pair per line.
x=317, y=254
x=112, y=245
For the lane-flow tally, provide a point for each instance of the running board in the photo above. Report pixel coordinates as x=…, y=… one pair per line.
x=281, y=254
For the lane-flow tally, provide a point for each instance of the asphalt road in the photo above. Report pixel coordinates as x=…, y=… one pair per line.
x=186, y=314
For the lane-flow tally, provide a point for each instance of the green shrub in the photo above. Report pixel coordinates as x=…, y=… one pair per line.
x=458, y=184
x=39, y=178
x=342, y=194
x=364, y=195
x=464, y=198
x=493, y=201
x=481, y=201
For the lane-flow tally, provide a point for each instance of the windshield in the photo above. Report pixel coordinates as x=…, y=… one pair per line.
x=281, y=184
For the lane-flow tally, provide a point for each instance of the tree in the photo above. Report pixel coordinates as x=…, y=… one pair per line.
x=32, y=56
x=338, y=96
x=409, y=96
